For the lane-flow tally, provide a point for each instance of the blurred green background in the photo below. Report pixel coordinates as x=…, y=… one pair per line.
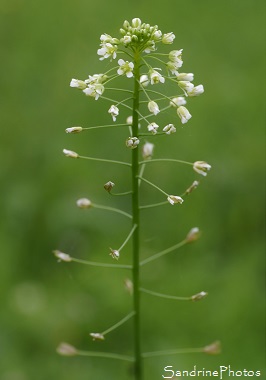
x=43, y=45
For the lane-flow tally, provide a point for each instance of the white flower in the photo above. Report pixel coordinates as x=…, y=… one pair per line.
x=193, y=234
x=144, y=80
x=84, y=203
x=185, y=77
x=125, y=68
x=186, y=86
x=107, y=38
x=177, y=102
x=70, y=153
x=96, y=78
x=132, y=142
x=153, y=107
x=168, y=38
x=107, y=50
x=94, y=90
x=78, y=84
x=173, y=67
x=62, y=256
x=196, y=91
x=74, y=129
x=176, y=57
x=151, y=47
x=152, y=127
x=97, y=336
x=184, y=114
x=147, y=150
x=170, y=128
x=114, y=254
x=172, y=199
x=114, y=111
x=201, y=167
x=156, y=77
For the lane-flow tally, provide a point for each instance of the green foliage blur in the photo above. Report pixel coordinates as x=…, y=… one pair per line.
x=43, y=45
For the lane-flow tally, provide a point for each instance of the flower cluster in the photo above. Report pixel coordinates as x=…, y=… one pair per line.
x=142, y=38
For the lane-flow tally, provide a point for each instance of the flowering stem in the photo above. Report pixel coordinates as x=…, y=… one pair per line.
x=135, y=220
x=104, y=160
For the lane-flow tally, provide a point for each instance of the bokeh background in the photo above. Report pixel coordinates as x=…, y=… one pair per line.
x=43, y=45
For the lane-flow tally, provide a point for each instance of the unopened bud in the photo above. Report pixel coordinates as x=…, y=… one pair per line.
x=193, y=235
x=66, y=349
x=62, y=256
x=70, y=153
x=147, y=150
x=108, y=186
x=129, y=285
x=194, y=185
x=213, y=348
x=97, y=336
x=84, y=203
x=74, y=130
x=199, y=296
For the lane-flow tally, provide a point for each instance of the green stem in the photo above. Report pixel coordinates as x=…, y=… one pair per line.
x=107, y=355
x=125, y=319
x=135, y=221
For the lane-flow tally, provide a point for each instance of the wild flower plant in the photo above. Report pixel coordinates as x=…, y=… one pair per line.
x=149, y=73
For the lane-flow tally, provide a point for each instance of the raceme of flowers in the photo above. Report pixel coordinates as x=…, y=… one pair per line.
x=143, y=38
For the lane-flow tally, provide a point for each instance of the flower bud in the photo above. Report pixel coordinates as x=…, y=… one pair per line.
x=80, y=84
x=153, y=107
x=97, y=336
x=213, y=348
x=70, y=153
x=74, y=129
x=144, y=80
x=62, y=256
x=177, y=102
x=147, y=150
x=108, y=186
x=185, y=77
x=136, y=22
x=129, y=285
x=193, y=235
x=199, y=296
x=84, y=203
x=186, y=85
x=132, y=142
x=184, y=114
x=201, y=167
x=196, y=91
x=66, y=349
x=194, y=185
x=172, y=199
x=168, y=38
